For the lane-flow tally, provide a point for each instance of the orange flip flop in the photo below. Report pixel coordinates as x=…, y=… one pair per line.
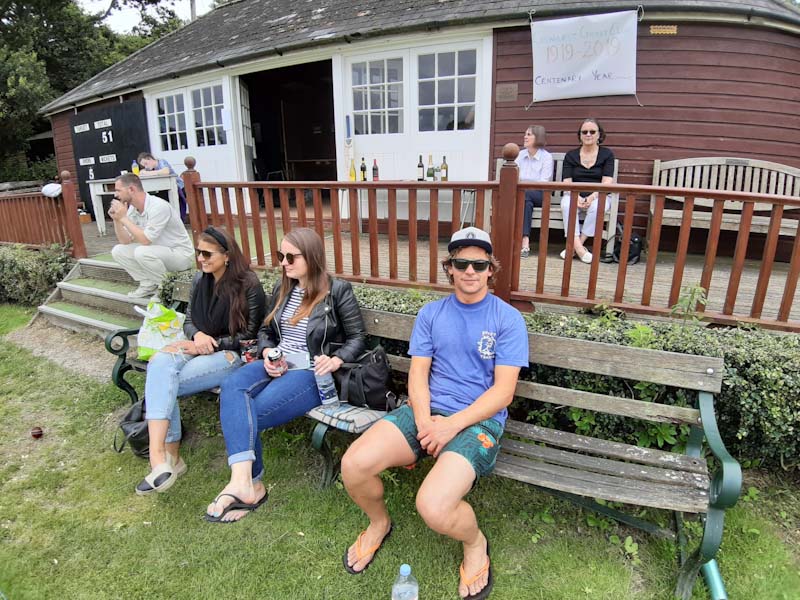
x=361, y=554
x=484, y=593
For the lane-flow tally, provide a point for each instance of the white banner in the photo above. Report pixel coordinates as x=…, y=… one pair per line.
x=578, y=57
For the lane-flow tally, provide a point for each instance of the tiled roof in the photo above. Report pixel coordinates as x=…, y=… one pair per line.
x=247, y=29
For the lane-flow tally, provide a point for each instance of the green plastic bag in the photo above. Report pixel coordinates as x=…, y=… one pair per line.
x=161, y=326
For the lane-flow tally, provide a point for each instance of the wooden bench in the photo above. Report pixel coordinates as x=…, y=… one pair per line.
x=557, y=217
x=721, y=173
x=590, y=471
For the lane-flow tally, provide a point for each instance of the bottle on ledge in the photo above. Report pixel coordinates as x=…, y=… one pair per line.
x=135, y=168
x=420, y=169
x=444, y=168
x=431, y=175
x=363, y=169
x=352, y=169
x=375, y=169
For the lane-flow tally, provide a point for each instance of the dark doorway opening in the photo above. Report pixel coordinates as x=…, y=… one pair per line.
x=291, y=111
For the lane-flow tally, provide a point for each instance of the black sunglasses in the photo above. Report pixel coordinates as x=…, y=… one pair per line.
x=588, y=131
x=288, y=256
x=462, y=264
x=207, y=253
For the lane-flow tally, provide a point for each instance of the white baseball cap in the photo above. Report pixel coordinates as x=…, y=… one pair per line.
x=470, y=236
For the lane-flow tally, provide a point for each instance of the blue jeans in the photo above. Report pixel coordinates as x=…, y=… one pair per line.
x=171, y=375
x=252, y=401
x=533, y=198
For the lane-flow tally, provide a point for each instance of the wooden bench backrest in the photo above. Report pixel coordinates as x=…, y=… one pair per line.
x=730, y=175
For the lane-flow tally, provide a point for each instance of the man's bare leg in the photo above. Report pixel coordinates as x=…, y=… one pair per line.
x=440, y=503
x=381, y=447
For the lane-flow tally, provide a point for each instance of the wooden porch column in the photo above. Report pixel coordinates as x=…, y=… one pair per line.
x=73, y=223
x=194, y=197
x=504, y=221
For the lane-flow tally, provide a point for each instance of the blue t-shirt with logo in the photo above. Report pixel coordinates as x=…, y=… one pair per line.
x=466, y=342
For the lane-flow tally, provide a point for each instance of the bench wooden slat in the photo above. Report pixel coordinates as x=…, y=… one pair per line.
x=730, y=222
x=606, y=466
x=645, y=456
x=595, y=485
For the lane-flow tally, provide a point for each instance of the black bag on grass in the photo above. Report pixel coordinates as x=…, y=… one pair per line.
x=366, y=382
x=134, y=431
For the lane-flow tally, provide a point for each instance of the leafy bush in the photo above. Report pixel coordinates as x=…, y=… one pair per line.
x=758, y=410
x=18, y=168
x=28, y=276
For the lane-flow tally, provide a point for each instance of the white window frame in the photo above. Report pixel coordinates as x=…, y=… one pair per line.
x=216, y=122
x=169, y=118
x=401, y=54
x=437, y=79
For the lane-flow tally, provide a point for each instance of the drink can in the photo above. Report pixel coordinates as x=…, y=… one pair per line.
x=275, y=355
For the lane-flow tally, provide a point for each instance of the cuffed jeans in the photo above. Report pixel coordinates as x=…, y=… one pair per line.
x=171, y=375
x=147, y=264
x=252, y=401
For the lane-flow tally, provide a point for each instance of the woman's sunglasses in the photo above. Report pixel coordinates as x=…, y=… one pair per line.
x=288, y=256
x=462, y=264
x=206, y=253
x=588, y=131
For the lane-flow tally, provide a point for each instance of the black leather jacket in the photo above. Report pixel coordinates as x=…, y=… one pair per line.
x=255, y=315
x=335, y=326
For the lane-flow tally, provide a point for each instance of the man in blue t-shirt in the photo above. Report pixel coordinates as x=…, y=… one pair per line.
x=467, y=350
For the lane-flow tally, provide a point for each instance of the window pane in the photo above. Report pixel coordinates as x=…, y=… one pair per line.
x=218, y=115
x=184, y=141
x=426, y=66
x=359, y=99
x=173, y=141
x=179, y=98
x=198, y=118
x=466, y=117
x=162, y=125
x=447, y=89
x=222, y=138
x=195, y=98
x=376, y=71
x=395, y=124
x=160, y=105
x=171, y=122
x=206, y=96
x=376, y=123
x=447, y=64
x=394, y=69
x=446, y=119
x=181, y=122
x=426, y=116
x=394, y=96
x=170, y=104
x=427, y=93
x=466, y=62
x=359, y=73
x=209, y=116
x=376, y=98
x=201, y=138
x=360, y=124
x=466, y=89
x=217, y=94
x=210, y=136
x=164, y=143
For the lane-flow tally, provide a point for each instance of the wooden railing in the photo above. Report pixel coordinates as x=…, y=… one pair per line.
x=406, y=250
x=38, y=221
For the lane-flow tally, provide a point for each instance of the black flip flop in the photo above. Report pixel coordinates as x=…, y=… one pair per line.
x=237, y=504
x=487, y=589
x=350, y=569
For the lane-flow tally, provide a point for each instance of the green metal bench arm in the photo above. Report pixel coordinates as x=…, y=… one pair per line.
x=727, y=482
x=124, y=344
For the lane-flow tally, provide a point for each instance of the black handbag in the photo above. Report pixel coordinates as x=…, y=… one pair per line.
x=134, y=430
x=366, y=382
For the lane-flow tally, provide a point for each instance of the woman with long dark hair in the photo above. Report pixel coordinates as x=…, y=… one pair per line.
x=226, y=306
x=310, y=313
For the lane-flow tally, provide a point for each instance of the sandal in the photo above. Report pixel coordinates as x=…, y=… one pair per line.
x=361, y=554
x=237, y=504
x=487, y=589
x=161, y=478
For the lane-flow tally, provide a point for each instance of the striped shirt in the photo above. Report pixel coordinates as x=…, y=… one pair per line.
x=293, y=337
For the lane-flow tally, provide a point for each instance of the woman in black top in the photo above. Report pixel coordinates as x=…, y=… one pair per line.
x=590, y=163
x=226, y=306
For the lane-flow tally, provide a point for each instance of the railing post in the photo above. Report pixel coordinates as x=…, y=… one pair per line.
x=73, y=224
x=504, y=221
x=194, y=197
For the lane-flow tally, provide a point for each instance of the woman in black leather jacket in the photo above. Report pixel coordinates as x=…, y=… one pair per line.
x=226, y=306
x=311, y=315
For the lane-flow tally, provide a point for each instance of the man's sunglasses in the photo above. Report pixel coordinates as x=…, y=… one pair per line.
x=462, y=264
x=588, y=131
x=206, y=253
x=288, y=256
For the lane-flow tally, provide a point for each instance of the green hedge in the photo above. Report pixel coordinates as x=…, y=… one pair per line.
x=758, y=409
x=28, y=276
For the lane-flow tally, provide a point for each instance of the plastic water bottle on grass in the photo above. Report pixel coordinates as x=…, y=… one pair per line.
x=405, y=586
x=327, y=391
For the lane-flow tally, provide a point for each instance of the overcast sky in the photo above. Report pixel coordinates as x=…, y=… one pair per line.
x=124, y=20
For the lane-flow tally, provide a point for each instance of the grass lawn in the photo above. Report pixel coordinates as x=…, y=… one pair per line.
x=71, y=526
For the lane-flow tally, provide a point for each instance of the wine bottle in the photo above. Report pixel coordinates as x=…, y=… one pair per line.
x=444, y=168
x=352, y=169
x=430, y=175
x=375, y=169
x=420, y=170
x=363, y=169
